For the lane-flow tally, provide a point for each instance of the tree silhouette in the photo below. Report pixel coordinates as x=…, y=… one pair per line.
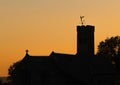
x=18, y=73
x=12, y=71
x=110, y=48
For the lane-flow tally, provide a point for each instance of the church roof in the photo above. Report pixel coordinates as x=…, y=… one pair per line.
x=61, y=57
x=82, y=66
x=31, y=58
x=74, y=65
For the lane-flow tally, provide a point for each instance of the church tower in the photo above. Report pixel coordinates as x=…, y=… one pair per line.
x=85, y=40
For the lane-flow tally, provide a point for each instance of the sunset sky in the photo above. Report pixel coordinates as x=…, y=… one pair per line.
x=42, y=26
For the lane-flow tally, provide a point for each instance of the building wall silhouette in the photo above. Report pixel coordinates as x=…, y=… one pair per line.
x=82, y=68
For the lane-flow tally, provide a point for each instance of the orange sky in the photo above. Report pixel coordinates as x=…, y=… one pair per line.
x=43, y=26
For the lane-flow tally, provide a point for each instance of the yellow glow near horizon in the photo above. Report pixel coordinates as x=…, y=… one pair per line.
x=43, y=26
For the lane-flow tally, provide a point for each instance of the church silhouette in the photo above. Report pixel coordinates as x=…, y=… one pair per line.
x=82, y=68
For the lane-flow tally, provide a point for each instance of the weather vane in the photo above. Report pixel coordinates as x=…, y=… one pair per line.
x=82, y=20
